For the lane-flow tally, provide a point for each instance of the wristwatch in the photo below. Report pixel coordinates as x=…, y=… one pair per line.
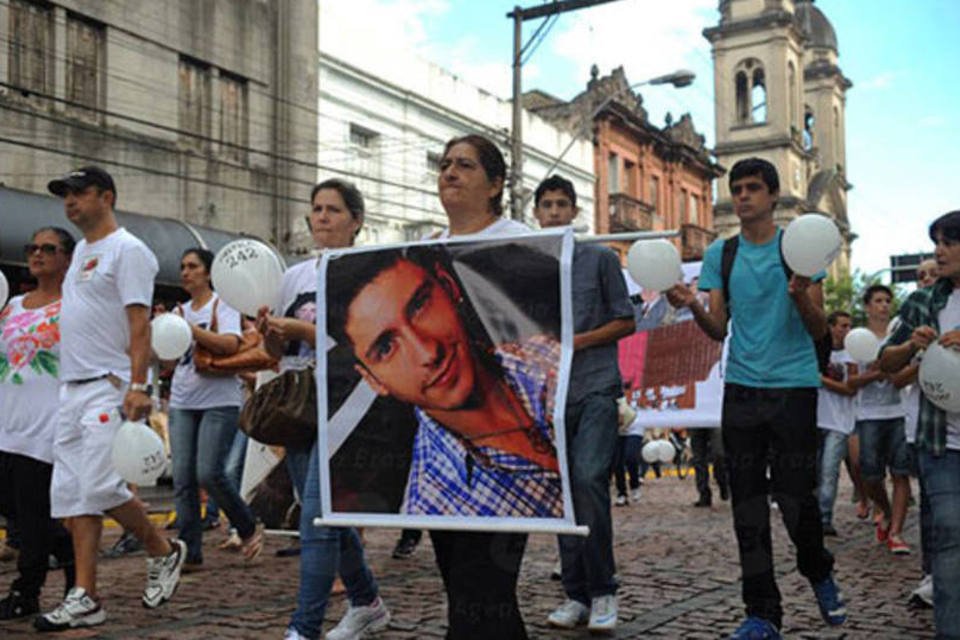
x=141, y=387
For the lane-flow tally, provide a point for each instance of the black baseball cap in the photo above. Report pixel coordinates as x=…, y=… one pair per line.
x=80, y=179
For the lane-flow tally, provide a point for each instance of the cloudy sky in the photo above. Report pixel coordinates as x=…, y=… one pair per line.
x=903, y=113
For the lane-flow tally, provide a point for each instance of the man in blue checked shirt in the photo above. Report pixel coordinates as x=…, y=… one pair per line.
x=602, y=315
x=484, y=446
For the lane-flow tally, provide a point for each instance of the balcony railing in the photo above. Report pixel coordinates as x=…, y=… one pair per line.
x=629, y=214
x=694, y=241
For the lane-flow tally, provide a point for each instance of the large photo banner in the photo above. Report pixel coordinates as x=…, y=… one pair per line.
x=442, y=386
x=673, y=372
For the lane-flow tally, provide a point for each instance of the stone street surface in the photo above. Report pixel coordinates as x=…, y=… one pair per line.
x=677, y=566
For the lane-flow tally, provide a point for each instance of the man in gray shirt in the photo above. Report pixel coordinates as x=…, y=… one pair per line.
x=602, y=314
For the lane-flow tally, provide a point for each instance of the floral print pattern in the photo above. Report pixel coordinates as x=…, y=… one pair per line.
x=29, y=338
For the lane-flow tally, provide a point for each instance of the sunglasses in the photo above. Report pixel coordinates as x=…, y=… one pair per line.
x=46, y=248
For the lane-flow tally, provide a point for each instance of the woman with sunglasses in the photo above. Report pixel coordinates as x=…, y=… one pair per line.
x=29, y=391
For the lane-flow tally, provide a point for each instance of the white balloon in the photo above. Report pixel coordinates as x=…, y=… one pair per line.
x=246, y=274
x=940, y=377
x=862, y=345
x=665, y=451
x=654, y=264
x=4, y=290
x=810, y=243
x=650, y=452
x=138, y=454
x=170, y=336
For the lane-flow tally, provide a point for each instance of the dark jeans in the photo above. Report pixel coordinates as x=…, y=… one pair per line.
x=773, y=429
x=707, y=447
x=627, y=461
x=480, y=571
x=25, y=496
x=588, y=566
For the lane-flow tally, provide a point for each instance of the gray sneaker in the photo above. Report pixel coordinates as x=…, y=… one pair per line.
x=603, y=614
x=569, y=615
x=77, y=610
x=359, y=622
x=163, y=575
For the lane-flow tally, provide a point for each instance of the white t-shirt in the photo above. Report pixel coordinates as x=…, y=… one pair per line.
x=192, y=390
x=502, y=227
x=105, y=277
x=949, y=320
x=29, y=388
x=298, y=299
x=911, y=409
x=835, y=410
x=878, y=400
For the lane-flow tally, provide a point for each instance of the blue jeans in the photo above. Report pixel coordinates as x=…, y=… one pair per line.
x=324, y=552
x=833, y=449
x=941, y=483
x=588, y=566
x=627, y=460
x=200, y=440
x=233, y=468
x=883, y=444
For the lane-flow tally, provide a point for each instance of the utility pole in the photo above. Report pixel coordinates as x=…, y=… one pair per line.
x=519, y=15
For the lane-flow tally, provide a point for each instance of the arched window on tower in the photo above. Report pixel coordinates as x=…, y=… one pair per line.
x=743, y=104
x=808, y=122
x=758, y=97
x=751, y=93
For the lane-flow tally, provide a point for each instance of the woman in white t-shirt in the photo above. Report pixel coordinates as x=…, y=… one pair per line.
x=29, y=391
x=203, y=415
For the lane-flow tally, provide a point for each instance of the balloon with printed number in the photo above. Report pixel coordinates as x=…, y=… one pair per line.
x=138, y=454
x=170, y=336
x=654, y=264
x=940, y=377
x=810, y=243
x=246, y=275
x=862, y=345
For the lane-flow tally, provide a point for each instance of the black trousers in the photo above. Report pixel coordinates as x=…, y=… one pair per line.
x=706, y=447
x=480, y=572
x=775, y=430
x=25, y=496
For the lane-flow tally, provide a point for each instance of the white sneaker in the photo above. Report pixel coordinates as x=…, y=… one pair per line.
x=923, y=595
x=569, y=615
x=293, y=634
x=360, y=622
x=603, y=613
x=620, y=501
x=163, y=575
x=77, y=610
x=635, y=496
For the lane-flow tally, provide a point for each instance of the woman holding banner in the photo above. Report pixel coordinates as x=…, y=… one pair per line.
x=479, y=569
x=335, y=220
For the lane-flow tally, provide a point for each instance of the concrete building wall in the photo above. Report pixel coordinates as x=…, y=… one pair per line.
x=384, y=127
x=259, y=95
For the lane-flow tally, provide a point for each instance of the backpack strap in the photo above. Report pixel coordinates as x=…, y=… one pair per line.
x=730, y=246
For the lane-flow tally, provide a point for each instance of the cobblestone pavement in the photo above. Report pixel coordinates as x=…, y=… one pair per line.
x=677, y=566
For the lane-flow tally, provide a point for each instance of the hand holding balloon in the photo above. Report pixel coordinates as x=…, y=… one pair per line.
x=170, y=336
x=654, y=264
x=680, y=296
x=923, y=337
x=939, y=377
x=951, y=339
x=138, y=454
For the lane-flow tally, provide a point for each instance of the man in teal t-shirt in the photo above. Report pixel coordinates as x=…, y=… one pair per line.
x=769, y=421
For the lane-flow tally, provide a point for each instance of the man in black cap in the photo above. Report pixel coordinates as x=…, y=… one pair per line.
x=105, y=351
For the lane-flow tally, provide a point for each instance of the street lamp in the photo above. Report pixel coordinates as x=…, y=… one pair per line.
x=679, y=79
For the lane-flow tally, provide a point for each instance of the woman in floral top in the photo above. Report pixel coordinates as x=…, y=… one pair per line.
x=29, y=389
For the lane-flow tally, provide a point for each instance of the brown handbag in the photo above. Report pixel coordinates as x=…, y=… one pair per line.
x=251, y=356
x=283, y=411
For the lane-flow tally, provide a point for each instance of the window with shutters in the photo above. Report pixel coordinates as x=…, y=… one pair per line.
x=233, y=116
x=30, y=63
x=85, y=66
x=194, y=103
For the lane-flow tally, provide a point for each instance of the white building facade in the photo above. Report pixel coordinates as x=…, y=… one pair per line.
x=384, y=126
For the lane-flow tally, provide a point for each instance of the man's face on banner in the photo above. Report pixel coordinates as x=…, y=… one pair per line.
x=410, y=339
